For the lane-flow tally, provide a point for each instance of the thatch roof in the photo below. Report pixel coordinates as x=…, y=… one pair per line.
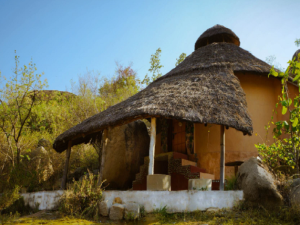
x=217, y=33
x=295, y=56
x=201, y=89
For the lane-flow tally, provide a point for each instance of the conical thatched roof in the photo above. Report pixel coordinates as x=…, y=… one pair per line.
x=295, y=56
x=201, y=89
x=217, y=33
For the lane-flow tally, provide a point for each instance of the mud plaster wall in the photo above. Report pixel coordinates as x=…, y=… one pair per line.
x=176, y=201
x=261, y=95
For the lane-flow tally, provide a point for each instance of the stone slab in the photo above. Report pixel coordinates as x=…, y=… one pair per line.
x=200, y=184
x=158, y=182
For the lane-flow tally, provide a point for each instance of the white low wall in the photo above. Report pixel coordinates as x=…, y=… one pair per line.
x=176, y=201
x=45, y=199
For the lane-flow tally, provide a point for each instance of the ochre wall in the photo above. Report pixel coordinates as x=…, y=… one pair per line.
x=261, y=95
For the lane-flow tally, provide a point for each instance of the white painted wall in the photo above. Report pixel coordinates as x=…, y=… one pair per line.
x=46, y=199
x=176, y=201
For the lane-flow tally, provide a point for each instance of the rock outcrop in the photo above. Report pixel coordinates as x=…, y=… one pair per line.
x=116, y=212
x=258, y=184
x=127, y=145
x=42, y=163
x=103, y=208
x=132, y=211
x=295, y=193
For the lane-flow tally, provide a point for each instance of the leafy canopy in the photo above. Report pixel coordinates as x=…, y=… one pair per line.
x=283, y=154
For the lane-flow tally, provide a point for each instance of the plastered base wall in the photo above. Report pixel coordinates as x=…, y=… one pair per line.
x=176, y=201
x=46, y=200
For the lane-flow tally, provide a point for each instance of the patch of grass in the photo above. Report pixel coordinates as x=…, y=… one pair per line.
x=142, y=211
x=240, y=214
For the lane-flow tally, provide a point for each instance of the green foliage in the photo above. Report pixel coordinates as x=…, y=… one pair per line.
x=161, y=214
x=19, y=208
x=82, y=197
x=142, y=211
x=271, y=60
x=297, y=42
x=17, y=98
x=180, y=59
x=285, y=150
x=22, y=175
x=122, y=86
x=155, y=67
x=231, y=183
x=9, y=197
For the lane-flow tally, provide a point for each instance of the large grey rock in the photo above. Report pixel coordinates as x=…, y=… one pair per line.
x=41, y=162
x=127, y=145
x=103, y=208
x=295, y=193
x=116, y=212
x=44, y=143
x=132, y=210
x=258, y=184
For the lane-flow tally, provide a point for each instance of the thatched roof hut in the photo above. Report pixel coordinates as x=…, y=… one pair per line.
x=201, y=89
x=217, y=33
x=295, y=56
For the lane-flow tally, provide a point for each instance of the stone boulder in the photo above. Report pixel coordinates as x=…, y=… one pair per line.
x=103, y=208
x=295, y=193
x=127, y=145
x=44, y=143
x=42, y=163
x=258, y=184
x=132, y=211
x=116, y=212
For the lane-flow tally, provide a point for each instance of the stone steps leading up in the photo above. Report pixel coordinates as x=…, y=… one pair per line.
x=178, y=163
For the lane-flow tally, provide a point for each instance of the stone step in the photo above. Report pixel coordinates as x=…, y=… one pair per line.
x=177, y=155
x=195, y=169
x=185, y=162
x=207, y=176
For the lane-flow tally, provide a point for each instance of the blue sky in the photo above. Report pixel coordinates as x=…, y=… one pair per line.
x=65, y=38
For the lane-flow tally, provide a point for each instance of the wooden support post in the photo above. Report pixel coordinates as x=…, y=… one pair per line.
x=104, y=143
x=152, y=146
x=65, y=174
x=222, y=158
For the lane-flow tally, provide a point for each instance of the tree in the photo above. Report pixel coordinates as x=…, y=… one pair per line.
x=297, y=42
x=17, y=99
x=155, y=67
x=285, y=151
x=271, y=60
x=180, y=59
x=122, y=86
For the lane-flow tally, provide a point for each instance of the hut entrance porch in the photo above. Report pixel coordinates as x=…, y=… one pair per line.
x=174, y=164
x=178, y=136
x=175, y=136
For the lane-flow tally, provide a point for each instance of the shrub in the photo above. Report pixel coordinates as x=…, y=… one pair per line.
x=82, y=197
x=231, y=183
x=9, y=197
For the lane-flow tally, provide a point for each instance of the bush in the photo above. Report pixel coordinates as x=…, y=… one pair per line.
x=231, y=184
x=9, y=197
x=82, y=197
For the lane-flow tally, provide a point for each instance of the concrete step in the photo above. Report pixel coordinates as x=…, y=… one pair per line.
x=207, y=176
x=195, y=169
x=177, y=155
x=185, y=162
